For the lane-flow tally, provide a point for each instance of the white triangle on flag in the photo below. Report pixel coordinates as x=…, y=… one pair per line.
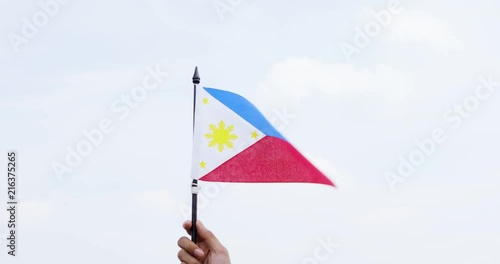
x=219, y=134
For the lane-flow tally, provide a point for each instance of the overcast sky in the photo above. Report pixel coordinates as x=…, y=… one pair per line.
x=394, y=101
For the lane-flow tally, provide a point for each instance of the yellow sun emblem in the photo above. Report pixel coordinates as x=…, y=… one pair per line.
x=221, y=136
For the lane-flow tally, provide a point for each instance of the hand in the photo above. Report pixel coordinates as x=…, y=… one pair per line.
x=208, y=251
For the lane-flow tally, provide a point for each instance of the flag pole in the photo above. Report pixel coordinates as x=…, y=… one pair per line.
x=194, y=184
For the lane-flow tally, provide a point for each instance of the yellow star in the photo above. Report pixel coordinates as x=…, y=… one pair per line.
x=255, y=134
x=205, y=101
x=203, y=164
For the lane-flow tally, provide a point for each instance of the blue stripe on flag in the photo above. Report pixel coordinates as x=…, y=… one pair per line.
x=246, y=110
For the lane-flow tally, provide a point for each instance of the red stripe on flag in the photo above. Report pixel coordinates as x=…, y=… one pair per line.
x=269, y=160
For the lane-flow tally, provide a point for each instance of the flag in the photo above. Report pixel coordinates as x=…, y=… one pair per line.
x=233, y=142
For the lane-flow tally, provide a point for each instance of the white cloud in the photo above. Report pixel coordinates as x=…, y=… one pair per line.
x=427, y=29
x=295, y=78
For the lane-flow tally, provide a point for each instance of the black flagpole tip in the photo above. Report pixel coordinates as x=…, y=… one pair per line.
x=196, y=76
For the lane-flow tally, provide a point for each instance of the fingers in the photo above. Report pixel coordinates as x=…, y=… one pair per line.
x=187, y=226
x=207, y=236
x=189, y=247
x=186, y=258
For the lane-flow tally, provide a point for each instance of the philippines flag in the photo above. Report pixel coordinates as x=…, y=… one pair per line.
x=233, y=142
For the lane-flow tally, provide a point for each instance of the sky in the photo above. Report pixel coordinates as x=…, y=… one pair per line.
x=396, y=102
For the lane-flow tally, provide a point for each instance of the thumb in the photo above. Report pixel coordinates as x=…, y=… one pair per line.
x=208, y=237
